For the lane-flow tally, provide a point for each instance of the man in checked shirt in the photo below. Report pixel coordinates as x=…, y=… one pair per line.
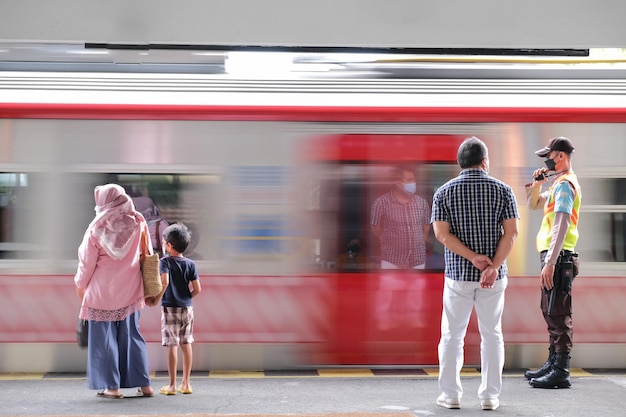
x=475, y=217
x=401, y=222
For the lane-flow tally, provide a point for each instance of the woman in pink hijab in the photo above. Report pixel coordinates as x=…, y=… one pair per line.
x=110, y=288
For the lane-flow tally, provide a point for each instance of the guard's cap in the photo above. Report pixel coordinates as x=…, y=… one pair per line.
x=560, y=143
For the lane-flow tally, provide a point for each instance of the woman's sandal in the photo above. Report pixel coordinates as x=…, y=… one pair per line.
x=112, y=396
x=142, y=393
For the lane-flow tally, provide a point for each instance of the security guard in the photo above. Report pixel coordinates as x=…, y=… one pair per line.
x=556, y=243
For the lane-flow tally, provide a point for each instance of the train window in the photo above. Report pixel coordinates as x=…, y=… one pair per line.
x=341, y=195
x=603, y=191
x=44, y=215
x=164, y=199
x=352, y=187
x=347, y=197
x=603, y=227
x=11, y=186
x=603, y=237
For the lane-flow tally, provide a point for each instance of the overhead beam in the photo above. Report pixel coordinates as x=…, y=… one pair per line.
x=538, y=24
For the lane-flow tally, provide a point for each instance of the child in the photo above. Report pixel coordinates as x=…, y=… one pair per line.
x=180, y=285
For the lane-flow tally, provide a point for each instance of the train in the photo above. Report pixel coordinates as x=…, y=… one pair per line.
x=274, y=176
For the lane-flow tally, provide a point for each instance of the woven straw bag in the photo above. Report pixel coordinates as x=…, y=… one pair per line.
x=149, y=269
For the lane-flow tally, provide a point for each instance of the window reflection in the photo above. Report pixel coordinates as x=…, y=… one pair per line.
x=12, y=187
x=349, y=209
x=175, y=198
x=317, y=217
x=44, y=215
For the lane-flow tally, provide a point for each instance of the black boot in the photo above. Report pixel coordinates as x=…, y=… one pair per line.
x=558, y=377
x=545, y=368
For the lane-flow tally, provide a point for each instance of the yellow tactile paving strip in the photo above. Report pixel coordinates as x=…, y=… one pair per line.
x=431, y=372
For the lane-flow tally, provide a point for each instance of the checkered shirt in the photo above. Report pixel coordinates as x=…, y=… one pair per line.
x=402, y=241
x=474, y=205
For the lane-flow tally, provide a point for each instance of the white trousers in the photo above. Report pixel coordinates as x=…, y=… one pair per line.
x=399, y=298
x=459, y=298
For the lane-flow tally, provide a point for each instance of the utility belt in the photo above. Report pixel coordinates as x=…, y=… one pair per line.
x=565, y=270
x=567, y=264
x=562, y=253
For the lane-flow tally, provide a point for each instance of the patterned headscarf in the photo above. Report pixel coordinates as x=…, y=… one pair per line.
x=116, y=223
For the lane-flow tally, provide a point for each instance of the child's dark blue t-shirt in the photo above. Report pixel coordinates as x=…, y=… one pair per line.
x=181, y=272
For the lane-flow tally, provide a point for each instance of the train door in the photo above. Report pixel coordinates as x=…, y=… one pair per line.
x=382, y=316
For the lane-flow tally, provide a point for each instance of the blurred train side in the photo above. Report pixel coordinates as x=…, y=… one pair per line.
x=276, y=177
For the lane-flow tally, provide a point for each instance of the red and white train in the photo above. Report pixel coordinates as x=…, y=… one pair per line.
x=276, y=175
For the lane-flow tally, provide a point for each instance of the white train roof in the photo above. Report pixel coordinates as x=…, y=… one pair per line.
x=298, y=90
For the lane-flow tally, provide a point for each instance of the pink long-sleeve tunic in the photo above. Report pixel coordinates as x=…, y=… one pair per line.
x=113, y=288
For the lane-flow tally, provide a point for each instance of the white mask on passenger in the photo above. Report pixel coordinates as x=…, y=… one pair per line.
x=409, y=188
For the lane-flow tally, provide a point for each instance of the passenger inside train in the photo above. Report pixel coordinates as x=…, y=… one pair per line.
x=353, y=258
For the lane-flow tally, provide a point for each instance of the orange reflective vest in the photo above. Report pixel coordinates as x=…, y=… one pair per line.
x=545, y=231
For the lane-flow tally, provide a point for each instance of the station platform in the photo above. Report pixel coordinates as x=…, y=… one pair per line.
x=344, y=392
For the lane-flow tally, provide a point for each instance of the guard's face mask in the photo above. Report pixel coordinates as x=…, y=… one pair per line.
x=550, y=164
